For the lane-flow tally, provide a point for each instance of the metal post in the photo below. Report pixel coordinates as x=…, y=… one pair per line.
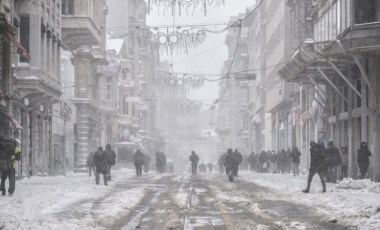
x=345, y=78
x=332, y=84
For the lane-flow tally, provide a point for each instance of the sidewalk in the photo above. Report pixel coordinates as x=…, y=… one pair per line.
x=36, y=197
x=354, y=201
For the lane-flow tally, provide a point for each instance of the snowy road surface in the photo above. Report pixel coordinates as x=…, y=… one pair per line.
x=182, y=201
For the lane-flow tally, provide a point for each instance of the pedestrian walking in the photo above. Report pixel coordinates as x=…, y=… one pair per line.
x=221, y=160
x=101, y=165
x=10, y=153
x=363, y=159
x=160, y=162
x=344, y=165
x=296, y=154
x=202, y=168
x=194, y=158
x=90, y=163
x=229, y=164
x=138, y=160
x=317, y=157
x=239, y=159
x=251, y=161
x=333, y=162
x=111, y=160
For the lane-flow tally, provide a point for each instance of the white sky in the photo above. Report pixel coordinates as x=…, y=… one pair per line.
x=209, y=62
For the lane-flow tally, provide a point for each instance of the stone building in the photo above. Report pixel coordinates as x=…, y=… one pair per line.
x=337, y=68
x=37, y=81
x=84, y=34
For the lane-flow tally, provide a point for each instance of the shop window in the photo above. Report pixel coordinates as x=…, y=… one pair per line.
x=365, y=11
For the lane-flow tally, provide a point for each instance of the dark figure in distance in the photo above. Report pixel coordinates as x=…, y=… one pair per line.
x=363, y=159
x=344, y=165
x=239, y=159
x=202, y=168
x=101, y=165
x=111, y=160
x=333, y=161
x=221, y=160
x=10, y=154
x=138, y=160
x=194, y=158
x=160, y=162
x=317, y=158
x=90, y=163
x=230, y=163
x=296, y=154
x=251, y=161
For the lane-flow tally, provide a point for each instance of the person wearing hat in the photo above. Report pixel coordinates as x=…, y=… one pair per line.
x=363, y=159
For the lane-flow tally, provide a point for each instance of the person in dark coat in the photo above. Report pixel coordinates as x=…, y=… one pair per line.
x=344, y=165
x=194, y=158
x=251, y=161
x=333, y=161
x=202, y=168
x=10, y=153
x=296, y=155
x=239, y=159
x=160, y=162
x=317, y=159
x=90, y=163
x=101, y=165
x=111, y=160
x=138, y=160
x=229, y=164
x=363, y=159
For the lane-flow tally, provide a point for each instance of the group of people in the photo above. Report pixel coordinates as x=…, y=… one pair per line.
x=194, y=159
x=328, y=162
x=284, y=161
x=101, y=162
x=229, y=162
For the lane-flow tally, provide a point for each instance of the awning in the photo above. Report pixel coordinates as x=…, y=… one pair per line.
x=12, y=119
x=20, y=49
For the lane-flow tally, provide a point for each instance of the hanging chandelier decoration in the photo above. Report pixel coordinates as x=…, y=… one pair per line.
x=182, y=107
x=181, y=6
x=181, y=83
x=181, y=39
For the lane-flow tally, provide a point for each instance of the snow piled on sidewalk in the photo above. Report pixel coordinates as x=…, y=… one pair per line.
x=42, y=202
x=354, y=202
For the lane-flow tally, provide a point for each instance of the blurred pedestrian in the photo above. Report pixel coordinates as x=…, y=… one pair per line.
x=221, y=162
x=296, y=154
x=251, y=161
x=111, y=160
x=363, y=159
x=147, y=161
x=229, y=164
x=90, y=163
x=317, y=158
x=333, y=161
x=344, y=165
x=194, y=158
x=10, y=154
x=160, y=162
x=101, y=165
x=239, y=159
x=138, y=160
x=210, y=167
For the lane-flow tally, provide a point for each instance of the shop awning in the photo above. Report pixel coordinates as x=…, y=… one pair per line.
x=12, y=119
x=20, y=49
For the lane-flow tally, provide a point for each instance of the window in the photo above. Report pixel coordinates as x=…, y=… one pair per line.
x=68, y=7
x=365, y=11
x=109, y=89
x=24, y=35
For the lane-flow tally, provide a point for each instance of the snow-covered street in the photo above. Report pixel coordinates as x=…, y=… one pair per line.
x=182, y=201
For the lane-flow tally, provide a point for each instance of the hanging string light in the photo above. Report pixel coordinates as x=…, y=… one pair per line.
x=188, y=6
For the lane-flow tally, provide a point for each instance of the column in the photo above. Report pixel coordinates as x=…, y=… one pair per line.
x=352, y=169
x=83, y=138
x=33, y=142
x=40, y=154
x=25, y=141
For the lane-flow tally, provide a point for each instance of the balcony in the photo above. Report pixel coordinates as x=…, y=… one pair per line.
x=79, y=31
